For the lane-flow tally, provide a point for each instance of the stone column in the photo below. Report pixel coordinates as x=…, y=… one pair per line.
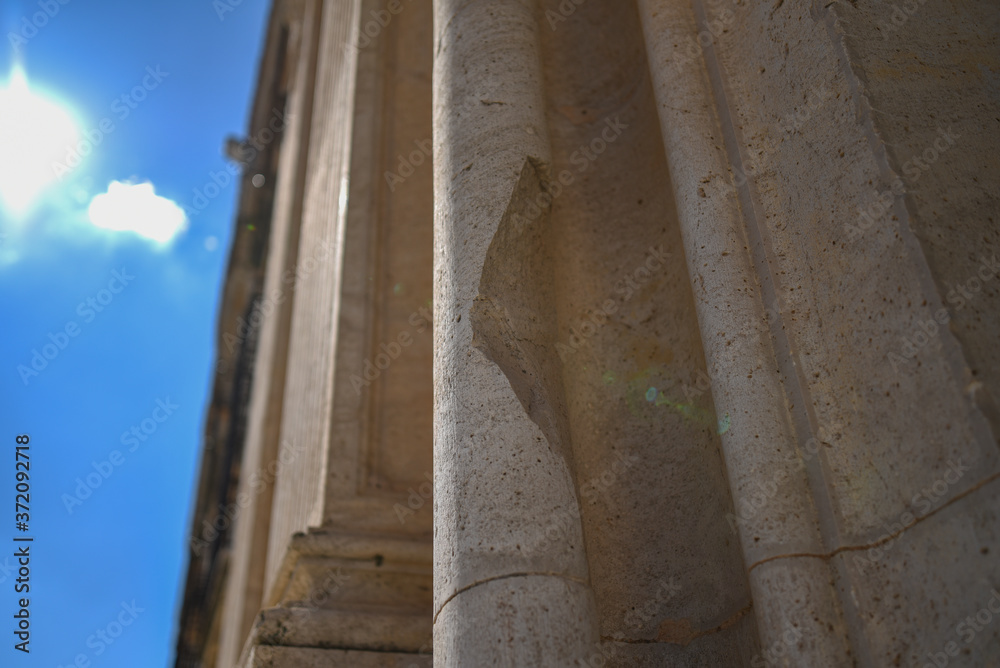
x=505, y=592
x=863, y=452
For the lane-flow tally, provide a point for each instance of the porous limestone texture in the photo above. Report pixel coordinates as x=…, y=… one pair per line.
x=730, y=222
x=645, y=333
x=503, y=465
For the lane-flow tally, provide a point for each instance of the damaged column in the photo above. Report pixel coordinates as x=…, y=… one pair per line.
x=505, y=591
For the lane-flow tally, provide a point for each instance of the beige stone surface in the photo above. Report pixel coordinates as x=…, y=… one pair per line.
x=836, y=306
x=928, y=78
x=245, y=587
x=300, y=488
x=668, y=328
x=297, y=657
x=501, y=473
x=663, y=561
x=518, y=620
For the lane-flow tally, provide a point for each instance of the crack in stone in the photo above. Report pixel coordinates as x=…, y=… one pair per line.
x=884, y=539
x=504, y=577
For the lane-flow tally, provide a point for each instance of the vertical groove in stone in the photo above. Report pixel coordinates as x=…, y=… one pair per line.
x=398, y=418
x=762, y=252
x=381, y=436
x=797, y=390
x=664, y=563
x=847, y=296
x=505, y=594
x=354, y=317
x=874, y=433
x=299, y=496
x=745, y=382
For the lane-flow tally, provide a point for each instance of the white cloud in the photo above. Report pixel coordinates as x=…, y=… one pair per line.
x=135, y=207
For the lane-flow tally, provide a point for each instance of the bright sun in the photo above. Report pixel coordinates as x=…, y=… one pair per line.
x=35, y=134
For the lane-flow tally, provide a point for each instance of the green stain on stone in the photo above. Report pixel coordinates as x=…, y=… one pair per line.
x=724, y=423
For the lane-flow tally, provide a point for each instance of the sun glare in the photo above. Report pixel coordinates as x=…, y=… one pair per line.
x=35, y=134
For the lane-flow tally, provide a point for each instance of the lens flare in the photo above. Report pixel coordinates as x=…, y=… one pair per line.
x=35, y=134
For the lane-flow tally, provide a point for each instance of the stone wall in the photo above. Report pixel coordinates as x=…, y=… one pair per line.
x=713, y=362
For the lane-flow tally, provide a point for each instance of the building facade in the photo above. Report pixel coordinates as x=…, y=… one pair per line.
x=592, y=333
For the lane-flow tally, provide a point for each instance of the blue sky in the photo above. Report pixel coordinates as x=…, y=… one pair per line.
x=119, y=299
